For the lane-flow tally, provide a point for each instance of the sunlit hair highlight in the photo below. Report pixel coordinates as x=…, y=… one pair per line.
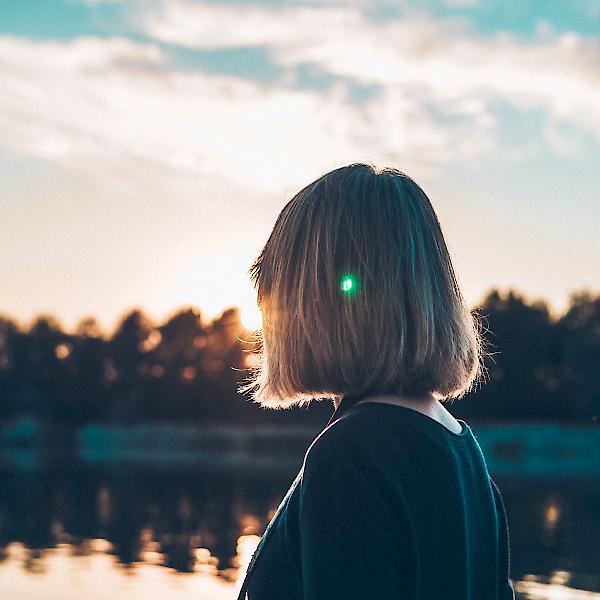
x=358, y=295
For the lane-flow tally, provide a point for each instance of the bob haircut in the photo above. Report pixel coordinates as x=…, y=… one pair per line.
x=358, y=295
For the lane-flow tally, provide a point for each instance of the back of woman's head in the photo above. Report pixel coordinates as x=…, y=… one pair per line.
x=358, y=295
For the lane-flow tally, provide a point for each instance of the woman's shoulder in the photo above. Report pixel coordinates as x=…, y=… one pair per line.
x=347, y=431
x=345, y=469
x=375, y=435
x=339, y=460
x=357, y=434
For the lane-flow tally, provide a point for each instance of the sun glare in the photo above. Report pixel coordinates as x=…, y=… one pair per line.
x=250, y=314
x=218, y=282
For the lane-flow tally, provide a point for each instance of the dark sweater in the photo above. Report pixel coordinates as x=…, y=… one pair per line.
x=389, y=505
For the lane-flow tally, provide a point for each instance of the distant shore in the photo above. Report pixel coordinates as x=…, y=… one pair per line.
x=528, y=449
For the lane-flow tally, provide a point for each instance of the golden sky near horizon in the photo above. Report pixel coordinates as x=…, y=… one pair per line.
x=146, y=149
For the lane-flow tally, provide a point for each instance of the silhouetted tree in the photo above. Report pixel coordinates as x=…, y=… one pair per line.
x=521, y=364
x=9, y=380
x=578, y=357
x=181, y=387
x=87, y=358
x=126, y=365
x=186, y=370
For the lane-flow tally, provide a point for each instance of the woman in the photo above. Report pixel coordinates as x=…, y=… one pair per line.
x=361, y=306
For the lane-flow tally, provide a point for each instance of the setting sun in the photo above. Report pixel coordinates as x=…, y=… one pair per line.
x=218, y=282
x=251, y=317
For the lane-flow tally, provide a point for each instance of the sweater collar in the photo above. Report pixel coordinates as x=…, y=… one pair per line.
x=345, y=404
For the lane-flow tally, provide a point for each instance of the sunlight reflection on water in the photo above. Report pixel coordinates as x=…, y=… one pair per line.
x=61, y=575
x=65, y=573
x=532, y=590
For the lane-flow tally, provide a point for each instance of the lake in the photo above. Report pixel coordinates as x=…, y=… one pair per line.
x=95, y=527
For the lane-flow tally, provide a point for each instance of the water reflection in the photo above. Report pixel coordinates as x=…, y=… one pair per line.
x=140, y=512
x=551, y=515
x=67, y=574
x=106, y=521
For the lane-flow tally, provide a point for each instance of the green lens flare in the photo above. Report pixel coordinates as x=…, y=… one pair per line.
x=349, y=284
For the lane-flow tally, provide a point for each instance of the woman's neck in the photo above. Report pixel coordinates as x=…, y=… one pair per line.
x=419, y=402
x=426, y=404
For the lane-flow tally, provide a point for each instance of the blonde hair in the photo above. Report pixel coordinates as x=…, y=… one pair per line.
x=358, y=294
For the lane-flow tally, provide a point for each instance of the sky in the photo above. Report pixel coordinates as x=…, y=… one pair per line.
x=147, y=147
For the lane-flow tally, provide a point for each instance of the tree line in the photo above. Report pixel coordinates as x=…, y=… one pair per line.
x=188, y=370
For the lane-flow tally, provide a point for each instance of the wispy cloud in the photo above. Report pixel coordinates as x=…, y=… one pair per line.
x=460, y=3
x=101, y=103
x=98, y=104
x=442, y=59
x=207, y=25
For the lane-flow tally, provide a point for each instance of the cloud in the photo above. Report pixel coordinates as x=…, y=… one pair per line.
x=119, y=108
x=205, y=25
x=441, y=58
x=460, y=3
